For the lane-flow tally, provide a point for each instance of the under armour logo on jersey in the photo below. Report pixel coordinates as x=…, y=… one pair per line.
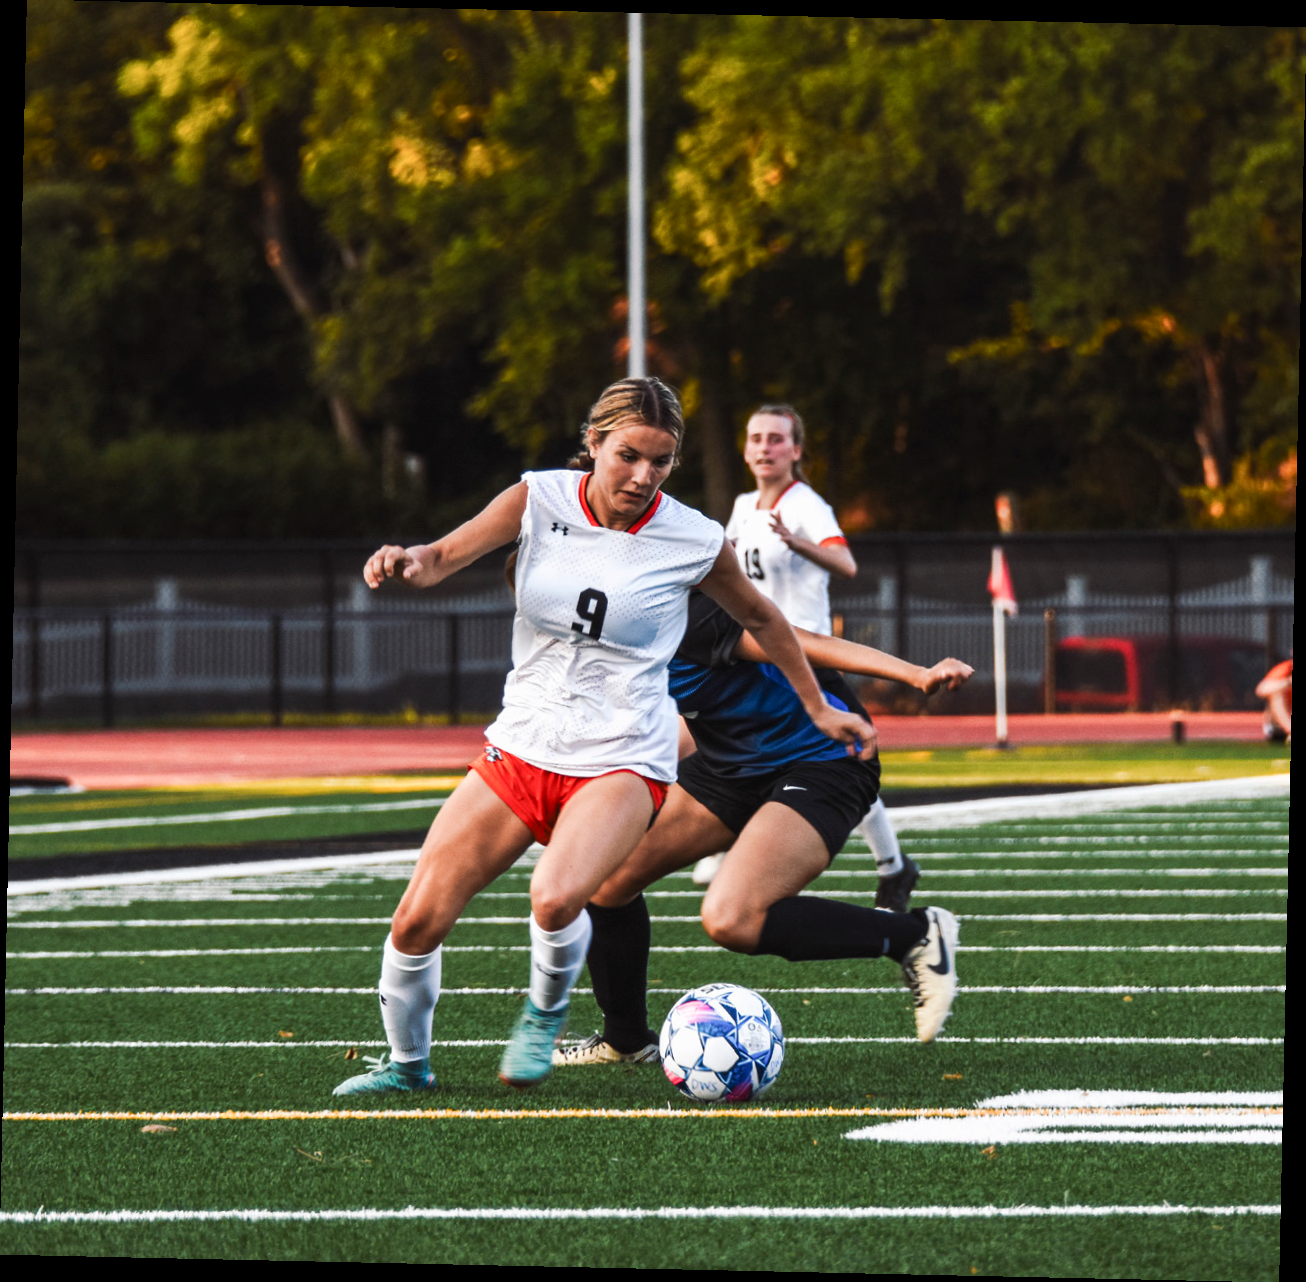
x=493, y=754
x=557, y=527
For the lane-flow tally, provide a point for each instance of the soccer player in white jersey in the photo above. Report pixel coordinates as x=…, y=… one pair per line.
x=582, y=755
x=786, y=536
x=788, y=542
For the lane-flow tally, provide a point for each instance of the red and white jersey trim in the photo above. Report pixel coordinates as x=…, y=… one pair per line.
x=594, y=520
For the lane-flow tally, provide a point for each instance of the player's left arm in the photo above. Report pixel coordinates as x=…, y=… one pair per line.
x=425, y=564
x=726, y=585
x=848, y=656
x=833, y=556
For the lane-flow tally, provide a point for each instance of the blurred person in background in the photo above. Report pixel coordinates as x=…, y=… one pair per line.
x=1276, y=689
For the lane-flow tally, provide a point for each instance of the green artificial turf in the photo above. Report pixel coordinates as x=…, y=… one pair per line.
x=173, y=936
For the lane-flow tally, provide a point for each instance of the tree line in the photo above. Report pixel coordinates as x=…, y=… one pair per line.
x=307, y=271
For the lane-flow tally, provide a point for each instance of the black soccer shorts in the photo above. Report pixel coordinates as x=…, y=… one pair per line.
x=831, y=795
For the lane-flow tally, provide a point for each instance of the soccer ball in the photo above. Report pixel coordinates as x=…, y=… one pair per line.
x=722, y=1042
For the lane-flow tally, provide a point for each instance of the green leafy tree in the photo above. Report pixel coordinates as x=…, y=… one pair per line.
x=142, y=308
x=1158, y=170
x=1130, y=195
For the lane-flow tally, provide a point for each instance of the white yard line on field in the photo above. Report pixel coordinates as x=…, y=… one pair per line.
x=1148, y=917
x=952, y=814
x=1186, y=852
x=1144, y=824
x=84, y=954
x=938, y=873
x=222, y=816
x=447, y=1043
x=536, y=1214
x=1177, y=845
x=260, y=868
x=244, y=990
x=165, y=923
x=931, y=893
x=964, y=814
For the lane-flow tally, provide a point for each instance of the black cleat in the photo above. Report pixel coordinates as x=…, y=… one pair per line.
x=893, y=894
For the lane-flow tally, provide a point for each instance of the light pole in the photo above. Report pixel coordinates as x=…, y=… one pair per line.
x=635, y=196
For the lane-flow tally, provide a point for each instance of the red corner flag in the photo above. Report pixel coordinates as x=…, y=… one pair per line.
x=1000, y=588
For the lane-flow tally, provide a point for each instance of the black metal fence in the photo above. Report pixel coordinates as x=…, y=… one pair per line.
x=115, y=632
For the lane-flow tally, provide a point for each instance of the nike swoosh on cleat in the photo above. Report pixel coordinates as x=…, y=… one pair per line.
x=943, y=968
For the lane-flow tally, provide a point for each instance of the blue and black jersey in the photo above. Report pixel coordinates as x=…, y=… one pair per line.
x=746, y=718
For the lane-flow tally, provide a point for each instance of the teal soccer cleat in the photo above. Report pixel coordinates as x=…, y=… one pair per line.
x=385, y=1077
x=528, y=1057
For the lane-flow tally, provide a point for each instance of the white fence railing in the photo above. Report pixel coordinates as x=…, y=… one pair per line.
x=324, y=659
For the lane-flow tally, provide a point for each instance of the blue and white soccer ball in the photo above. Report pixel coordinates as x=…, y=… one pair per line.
x=722, y=1042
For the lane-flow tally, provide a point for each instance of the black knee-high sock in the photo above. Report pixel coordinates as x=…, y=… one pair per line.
x=810, y=929
x=618, y=965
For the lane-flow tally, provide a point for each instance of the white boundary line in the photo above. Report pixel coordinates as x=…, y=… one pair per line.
x=98, y=923
x=445, y=1043
x=257, y=868
x=222, y=816
x=87, y=955
x=948, y=814
x=1023, y=990
x=959, y=814
x=253, y=1215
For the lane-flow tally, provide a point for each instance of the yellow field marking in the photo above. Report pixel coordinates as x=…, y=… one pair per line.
x=518, y=1114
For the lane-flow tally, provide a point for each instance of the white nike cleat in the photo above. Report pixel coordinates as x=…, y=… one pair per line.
x=594, y=1050
x=707, y=868
x=930, y=970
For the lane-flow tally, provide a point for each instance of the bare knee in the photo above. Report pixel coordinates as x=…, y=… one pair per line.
x=414, y=932
x=554, y=908
x=733, y=926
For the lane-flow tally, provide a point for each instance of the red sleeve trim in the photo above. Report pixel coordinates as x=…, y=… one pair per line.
x=837, y=541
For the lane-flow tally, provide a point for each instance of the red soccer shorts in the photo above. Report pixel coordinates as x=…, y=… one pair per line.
x=537, y=796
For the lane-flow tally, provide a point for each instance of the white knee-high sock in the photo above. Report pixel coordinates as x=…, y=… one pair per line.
x=556, y=960
x=409, y=990
x=882, y=840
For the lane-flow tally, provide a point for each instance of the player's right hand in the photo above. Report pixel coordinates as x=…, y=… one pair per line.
x=948, y=674
x=848, y=728
x=414, y=566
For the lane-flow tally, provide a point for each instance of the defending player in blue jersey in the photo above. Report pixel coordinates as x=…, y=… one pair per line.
x=782, y=800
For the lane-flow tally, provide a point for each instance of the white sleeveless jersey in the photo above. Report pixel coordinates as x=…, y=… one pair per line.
x=800, y=588
x=599, y=614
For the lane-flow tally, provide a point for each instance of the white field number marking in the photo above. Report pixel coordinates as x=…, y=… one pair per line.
x=1099, y=1117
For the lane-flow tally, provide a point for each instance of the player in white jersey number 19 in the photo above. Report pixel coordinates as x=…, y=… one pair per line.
x=585, y=747
x=789, y=542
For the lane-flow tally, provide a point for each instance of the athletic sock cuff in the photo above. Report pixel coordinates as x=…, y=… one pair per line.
x=632, y=911
x=568, y=934
x=406, y=961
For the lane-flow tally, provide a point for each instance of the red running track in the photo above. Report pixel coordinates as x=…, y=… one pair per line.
x=152, y=758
